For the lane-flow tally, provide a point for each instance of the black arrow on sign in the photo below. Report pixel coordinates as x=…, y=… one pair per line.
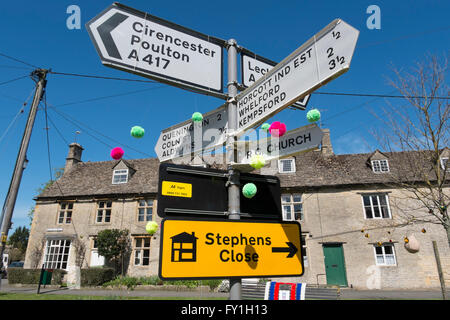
x=104, y=30
x=291, y=249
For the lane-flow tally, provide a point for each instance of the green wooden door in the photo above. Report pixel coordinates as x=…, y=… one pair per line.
x=335, y=264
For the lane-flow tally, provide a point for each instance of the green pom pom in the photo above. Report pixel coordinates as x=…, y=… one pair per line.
x=197, y=117
x=151, y=227
x=249, y=190
x=137, y=132
x=313, y=115
x=257, y=161
x=265, y=126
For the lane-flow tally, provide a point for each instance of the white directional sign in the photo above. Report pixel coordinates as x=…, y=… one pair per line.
x=322, y=58
x=187, y=137
x=291, y=143
x=137, y=42
x=254, y=67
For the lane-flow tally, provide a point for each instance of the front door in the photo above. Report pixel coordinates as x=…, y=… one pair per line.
x=335, y=264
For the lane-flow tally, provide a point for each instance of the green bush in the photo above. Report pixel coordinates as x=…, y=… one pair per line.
x=131, y=282
x=31, y=276
x=96, y=276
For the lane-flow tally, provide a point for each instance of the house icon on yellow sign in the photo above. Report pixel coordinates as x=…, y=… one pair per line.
x=184, y=247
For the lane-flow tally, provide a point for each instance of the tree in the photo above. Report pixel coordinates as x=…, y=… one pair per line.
x=19, y=239
x=114, y=245
x=418, y=133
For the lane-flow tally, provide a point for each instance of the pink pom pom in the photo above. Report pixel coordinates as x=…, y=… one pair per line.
x=117, y=153
x=277, y=129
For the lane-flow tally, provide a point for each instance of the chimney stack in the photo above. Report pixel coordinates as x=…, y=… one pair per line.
x=74, y=156
x=327, y=148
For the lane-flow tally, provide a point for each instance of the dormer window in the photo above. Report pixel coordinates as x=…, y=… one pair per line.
x=380, y=166
x=120, y=176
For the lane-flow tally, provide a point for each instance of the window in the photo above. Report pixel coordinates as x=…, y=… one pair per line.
x=120, y=176
x=385, y=255
x=286, y=166
x=304, y=255
x=65, y=213
x=145, y=210
x=444, y=164
x=376, y=206
x=292, y=206
x=104, y=212
x=57, y=254
x=141, y=251
x=380, y=166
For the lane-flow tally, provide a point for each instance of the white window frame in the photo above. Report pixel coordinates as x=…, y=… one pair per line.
x=65, y=213
x=378, y=167
x=291, y=203
x=55, y=255
x=304, y=249
x=103, y=211
x=379, y=205
x=384, y=256
x=444, y=162
x=280, y=166
x=139, y=251
x=119, y=174
x=145, y=209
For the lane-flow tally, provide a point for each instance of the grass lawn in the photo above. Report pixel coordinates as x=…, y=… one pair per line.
x=34, y=296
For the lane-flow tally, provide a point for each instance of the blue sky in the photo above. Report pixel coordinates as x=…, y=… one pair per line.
x=35, y=32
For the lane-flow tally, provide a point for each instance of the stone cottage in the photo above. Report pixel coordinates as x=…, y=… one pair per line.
x=355, y=219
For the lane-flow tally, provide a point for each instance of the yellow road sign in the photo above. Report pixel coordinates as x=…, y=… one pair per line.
x=199, y=249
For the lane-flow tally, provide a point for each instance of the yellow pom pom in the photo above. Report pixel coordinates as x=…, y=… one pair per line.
x=257, y=161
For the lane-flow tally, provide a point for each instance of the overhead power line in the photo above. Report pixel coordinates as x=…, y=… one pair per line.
x=324, y=93
x=12, y=80
x=378, y=95
x=102, y=77
x=18, y=60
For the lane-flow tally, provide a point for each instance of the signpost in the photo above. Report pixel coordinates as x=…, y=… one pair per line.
x=291, y=143
x=139, y=43
x=200, y=249
x=192, y=191
x=180, y=140
x=322, y=58
x=254, y=67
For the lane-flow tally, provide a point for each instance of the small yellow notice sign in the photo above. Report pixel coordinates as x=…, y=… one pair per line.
x=176, y=189
x=198, y=249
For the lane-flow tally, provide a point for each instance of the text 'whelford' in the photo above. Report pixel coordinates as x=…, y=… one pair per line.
x=321, y=59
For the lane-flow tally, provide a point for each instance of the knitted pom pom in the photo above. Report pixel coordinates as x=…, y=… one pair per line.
x=265, y=126
x=197, y=117
x=277, y=129
x=117, y=153
x=249, y=190
x=257, y=161
x=151, y=227
x=137, y=132
x=313, y=115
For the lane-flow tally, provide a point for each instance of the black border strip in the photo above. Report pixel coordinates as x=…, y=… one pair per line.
x=150, y=74
x=226, y=276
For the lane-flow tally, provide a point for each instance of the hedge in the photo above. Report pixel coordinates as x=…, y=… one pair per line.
x=31, y=276
x=96, y=276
